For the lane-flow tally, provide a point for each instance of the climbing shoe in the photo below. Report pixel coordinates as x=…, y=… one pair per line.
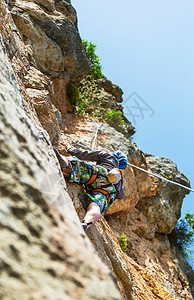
x=85, y=225
x=85, y=200
x=63, y=163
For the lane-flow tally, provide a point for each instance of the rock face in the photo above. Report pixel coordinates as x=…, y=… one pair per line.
x=56, y=43
x=111, y=88
x=164, y=209
x=44, y=253
x=149, y=252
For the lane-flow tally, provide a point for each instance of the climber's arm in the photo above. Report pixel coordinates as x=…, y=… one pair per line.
x=103, y=158
x=95, y=155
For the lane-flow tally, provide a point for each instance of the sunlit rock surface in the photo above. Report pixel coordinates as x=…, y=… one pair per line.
x=44, y=253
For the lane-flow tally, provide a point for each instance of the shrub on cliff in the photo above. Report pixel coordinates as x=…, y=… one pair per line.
x=88, y=99
x=123, y=242
x=96, y=67
x=183, y=235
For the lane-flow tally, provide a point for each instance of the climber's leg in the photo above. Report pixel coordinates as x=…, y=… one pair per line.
x=92, y=215
x=73, y=169
x=95, y=205
x=80, y=172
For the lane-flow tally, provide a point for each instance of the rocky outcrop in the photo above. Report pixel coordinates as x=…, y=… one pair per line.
x=40, y=94
x=111, y=88
x=55, y=41
x=44, y=253
x=164, y=209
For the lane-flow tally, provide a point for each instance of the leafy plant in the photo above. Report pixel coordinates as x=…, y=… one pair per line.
x=183, y=235
x=114, y=116
x=86, y=98
x=123, y=242
x=96, y=68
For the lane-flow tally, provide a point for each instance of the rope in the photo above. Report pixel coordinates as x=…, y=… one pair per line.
x=93, y=145
x=86, y=138
x=95, y=132
x=163, y=178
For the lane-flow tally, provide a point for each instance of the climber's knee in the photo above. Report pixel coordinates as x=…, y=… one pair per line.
x=94, y=211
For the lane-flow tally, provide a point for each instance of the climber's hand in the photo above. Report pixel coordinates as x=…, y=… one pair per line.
x=66, y=145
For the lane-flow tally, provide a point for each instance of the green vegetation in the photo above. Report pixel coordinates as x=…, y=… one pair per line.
x=78, y=100
x=123, y=242
x=96, y=68
x=170, y=177
x=88, y=98
x=114, y=117
x=183, y=235
x=73, y=93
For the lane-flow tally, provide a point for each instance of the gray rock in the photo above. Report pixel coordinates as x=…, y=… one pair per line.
x=56, y=30
x=67, y=9
x=187, y=269
x=47, y=4
x=164, y=209
x=47, y=53
x=111, y=88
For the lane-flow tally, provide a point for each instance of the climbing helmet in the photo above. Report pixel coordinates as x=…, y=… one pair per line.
x=122, y=159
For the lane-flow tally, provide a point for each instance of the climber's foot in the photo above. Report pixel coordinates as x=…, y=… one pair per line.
x=85, y=225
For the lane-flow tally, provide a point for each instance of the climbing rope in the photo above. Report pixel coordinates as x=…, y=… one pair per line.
x=95, y=133
x=91, y=136
x=163, y=178
x=95, y=137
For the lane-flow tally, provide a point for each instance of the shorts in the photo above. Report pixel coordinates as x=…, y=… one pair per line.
x=101, y=200
x=81, y=172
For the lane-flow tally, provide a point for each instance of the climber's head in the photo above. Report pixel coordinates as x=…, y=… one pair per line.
x=122, y=159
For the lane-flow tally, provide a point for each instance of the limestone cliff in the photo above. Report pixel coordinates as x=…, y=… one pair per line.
x=44, y=253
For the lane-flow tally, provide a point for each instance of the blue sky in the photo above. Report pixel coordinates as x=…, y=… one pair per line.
x=147, y=47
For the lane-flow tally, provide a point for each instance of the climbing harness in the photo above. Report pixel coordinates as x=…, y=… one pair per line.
x=94, y=134
x=105, y=193
x=93, y=177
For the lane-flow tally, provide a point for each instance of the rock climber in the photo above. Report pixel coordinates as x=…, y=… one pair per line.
x=103, y=182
